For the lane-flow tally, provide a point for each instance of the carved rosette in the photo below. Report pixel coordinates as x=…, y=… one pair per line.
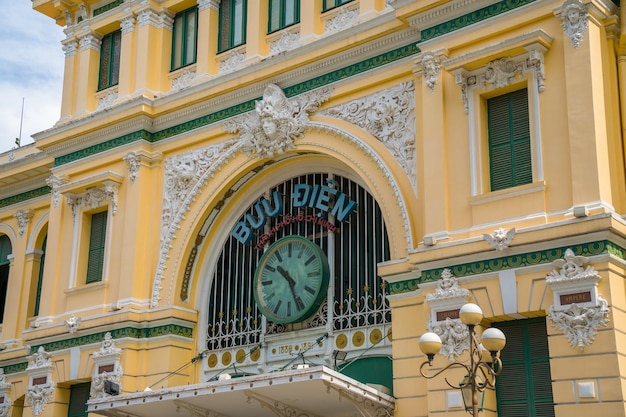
x=578, y=309
x=448, y=297
x=389, y=116
x=574, y=15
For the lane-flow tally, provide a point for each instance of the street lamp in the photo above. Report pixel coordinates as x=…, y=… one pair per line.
x=484, y=364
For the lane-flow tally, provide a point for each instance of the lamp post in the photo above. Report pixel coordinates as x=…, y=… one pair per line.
x=484, y=363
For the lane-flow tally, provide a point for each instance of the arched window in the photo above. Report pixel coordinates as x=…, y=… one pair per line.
x=40, y=277
x=5, y=251
x=356, y=296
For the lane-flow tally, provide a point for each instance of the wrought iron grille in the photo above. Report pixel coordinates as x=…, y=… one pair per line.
x=358, y=295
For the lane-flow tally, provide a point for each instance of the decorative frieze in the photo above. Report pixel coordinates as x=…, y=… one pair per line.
x=578, y=309
x=389, y=116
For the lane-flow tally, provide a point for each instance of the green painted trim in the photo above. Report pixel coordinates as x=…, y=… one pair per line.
x=107, y=7
x=320, y=81
x=19, y=198
x=127, y=332
x=472, y=18
x=509, y=262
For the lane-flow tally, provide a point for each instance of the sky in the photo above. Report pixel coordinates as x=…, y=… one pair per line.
x=31, y=68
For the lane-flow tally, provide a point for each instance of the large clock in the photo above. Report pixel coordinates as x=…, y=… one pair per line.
x=291, y=280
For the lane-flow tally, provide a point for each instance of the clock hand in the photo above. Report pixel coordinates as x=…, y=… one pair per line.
x=292, y=284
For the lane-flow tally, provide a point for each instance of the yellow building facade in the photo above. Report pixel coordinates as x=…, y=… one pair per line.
x=257, y=207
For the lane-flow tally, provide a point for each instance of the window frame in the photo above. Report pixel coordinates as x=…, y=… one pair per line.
x=97, y=244
x=230, y=43
x=109, y=71
x=281, y=5
x=182, y=54
x=335, y=3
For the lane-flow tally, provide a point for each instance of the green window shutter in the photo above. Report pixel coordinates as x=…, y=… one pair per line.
x=510, y=159
x=232, y=28
x=110, y=49
x=79, y=395
x=97, y=240
x=524, y=389
x=184, y=38
x=5, y=249
x=42, y=261
x=283, y=13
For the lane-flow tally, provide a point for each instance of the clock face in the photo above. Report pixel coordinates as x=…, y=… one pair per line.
x=291, y=280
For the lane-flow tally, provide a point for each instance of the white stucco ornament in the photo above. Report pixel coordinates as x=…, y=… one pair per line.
x=445, y=301
x=5, y=389
x=500, y=238
x=276, y=122
x=578, y=309
x=72, y=323
x=574, y=21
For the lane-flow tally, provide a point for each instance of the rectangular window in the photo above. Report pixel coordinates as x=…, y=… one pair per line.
x=283, y=13
x=510, y=162
x=79, y=395
x=331, y=4
x=232, y=30
x=110, y=60
x=184, y=38
x=525, y=386
x=97, y=241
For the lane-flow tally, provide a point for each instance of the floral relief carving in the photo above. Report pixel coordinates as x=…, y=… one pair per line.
x=133, y=161
x=284, y=43
x=574, y=15
x=578, y=320
x=389, y=116
x=232, y=62
x=107, y=100
x=344, y=19
x=453, y=333
x=94, y=197
x=72, y=324
x=107, y=367
x=183, y=80
x=38, y=396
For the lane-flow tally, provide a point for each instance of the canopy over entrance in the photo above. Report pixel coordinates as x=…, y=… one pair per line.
x=317, y=391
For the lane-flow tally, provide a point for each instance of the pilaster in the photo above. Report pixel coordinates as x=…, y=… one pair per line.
x=87, y=74
x=256, y=30
x=68, y=101
x=153, y=51
x=208, y=24
x=127, y=56
x=311, y=25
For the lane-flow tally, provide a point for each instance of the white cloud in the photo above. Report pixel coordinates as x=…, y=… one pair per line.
x=31, y=67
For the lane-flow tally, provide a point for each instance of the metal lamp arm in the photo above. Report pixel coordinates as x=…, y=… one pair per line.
x=451, y=365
